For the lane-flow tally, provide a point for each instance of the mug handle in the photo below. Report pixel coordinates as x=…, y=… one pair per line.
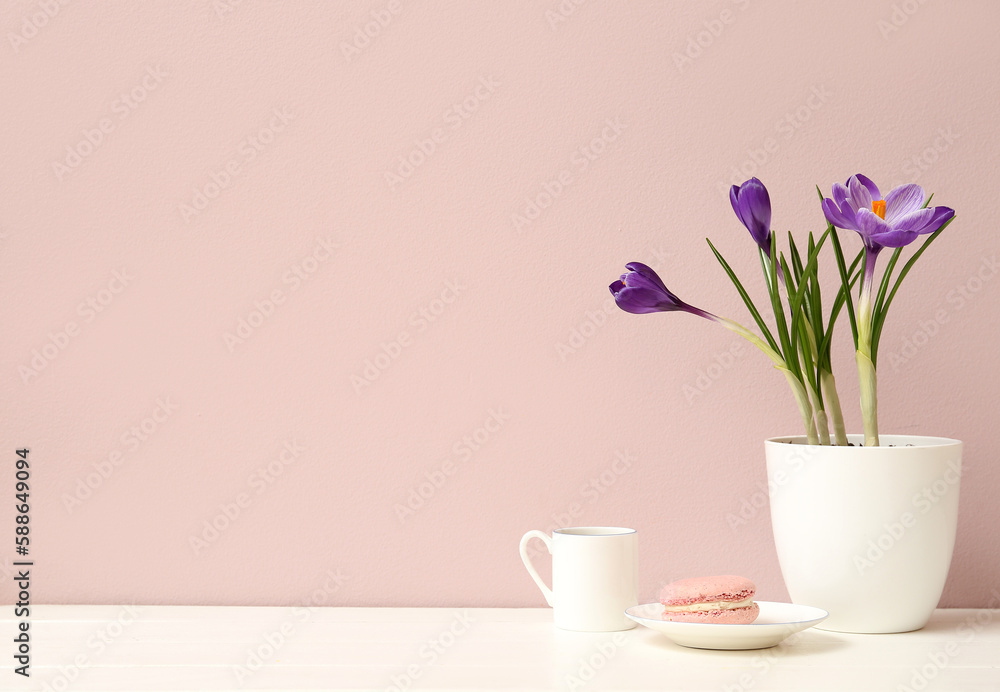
x=546, y=591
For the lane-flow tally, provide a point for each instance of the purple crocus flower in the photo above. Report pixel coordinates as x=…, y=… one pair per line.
x=895, y=221
x=752, y=205
x=640, y=291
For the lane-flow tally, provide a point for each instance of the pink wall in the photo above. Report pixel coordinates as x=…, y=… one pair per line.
x=506, y=363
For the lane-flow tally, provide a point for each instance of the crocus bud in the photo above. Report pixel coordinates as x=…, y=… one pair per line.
x=640, y=290
x=752, y=205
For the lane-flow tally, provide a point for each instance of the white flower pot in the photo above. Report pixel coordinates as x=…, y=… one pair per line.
x=865, y=533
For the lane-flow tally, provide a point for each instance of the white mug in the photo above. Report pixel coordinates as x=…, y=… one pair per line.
x=594, y=576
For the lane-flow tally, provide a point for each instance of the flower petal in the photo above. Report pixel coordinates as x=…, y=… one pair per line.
x=841, y=195
x=837, y=217
x=647, y=272
x=894, y=238
x=916, y=221
x=869, y=185
x=641, y=301
x=734, y=199
x=755, y=207
x=941, y=215
x=744, y=215
x=903, y=200
x=637, y=280
x=861, y=198
x=869, y=225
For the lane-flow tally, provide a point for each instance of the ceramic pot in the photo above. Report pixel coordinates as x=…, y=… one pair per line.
x=865, y=533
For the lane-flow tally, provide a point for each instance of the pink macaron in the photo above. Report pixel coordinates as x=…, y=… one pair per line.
x=723, y=600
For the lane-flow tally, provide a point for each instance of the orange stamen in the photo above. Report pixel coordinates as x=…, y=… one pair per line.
x=878, y=206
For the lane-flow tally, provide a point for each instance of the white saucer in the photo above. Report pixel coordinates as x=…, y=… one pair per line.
x=776, y=622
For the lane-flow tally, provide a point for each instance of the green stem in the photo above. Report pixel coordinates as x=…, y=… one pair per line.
x=738, y=328
x=809, y=357
x=867, y=380
x=798, y=390
x=869, y=398
x=822, y=424
x=809, y=367
x=865, y=320
x=805, y=409
x=833, y=406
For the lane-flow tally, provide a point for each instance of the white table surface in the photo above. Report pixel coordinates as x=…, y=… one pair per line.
x=90, y=648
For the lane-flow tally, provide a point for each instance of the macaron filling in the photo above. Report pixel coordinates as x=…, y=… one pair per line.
x=709, y=606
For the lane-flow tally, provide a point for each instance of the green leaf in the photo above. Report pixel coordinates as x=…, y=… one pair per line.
x=791, y=283
x=796, y=258
x=815, y=296
x=796, y=316
x=838, y=303
x=844, y=281
x=808, y=273
x=886, y=278
x=804, y=309
x=779, y=312
x=808, y=357
x=878, y=319
x=764, y=269
x=746, y=298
